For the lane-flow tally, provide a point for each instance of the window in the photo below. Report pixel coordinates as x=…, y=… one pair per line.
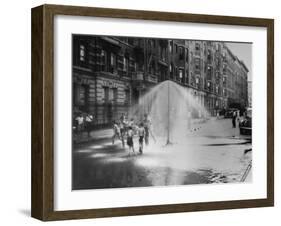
x=103, y=60
x=80, y=97
x=130, y=41
x=224, y=69
x=191, y=79
x=106, y=94
x=181, y=53
x=82, y=52
x=114, y=98
x=153, y=43
x=197, y=82
x=180, y=73
x=217, y=89
x=197, y=47
x=150, y=45
x=186, y=76
x=218, y=62
x=186, y=56
x=171, y=47
x=197, y=64
x=171, y=70
x=127, y=96
x=217, y=75
x=112, y=62
x=112, y=59
x=219, y=48
x=163, y=53
x=176, y=48
x=125, y=64
x=209, y=56
x=209, y=72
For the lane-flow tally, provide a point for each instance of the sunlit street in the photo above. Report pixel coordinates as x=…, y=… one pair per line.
x=213, y=152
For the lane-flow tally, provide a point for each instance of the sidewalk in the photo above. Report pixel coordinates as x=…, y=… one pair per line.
x=101, y=134
x=219, y=127
x=94, y=135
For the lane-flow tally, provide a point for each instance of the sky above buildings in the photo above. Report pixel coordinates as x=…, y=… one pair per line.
x=244, y=52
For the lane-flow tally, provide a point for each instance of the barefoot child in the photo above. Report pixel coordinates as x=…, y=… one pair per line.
x=141, y=132
x=130, y=141
x=116, y=131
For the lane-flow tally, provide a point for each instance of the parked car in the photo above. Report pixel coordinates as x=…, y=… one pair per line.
x=245, y=124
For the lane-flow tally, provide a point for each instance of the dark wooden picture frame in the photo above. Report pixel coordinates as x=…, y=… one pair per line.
x=42, y=203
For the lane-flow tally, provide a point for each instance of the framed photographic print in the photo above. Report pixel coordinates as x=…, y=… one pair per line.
x=141, y=112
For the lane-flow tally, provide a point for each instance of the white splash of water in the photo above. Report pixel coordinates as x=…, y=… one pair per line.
x=170, y=107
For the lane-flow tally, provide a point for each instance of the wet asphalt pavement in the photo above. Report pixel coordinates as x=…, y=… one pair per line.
x=211, y=152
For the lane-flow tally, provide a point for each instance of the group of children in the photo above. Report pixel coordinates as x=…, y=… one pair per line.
x=83, y=122
x=127, y=130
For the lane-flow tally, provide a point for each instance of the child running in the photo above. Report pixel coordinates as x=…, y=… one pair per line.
x=141, y=132
x=116, y=131
x=130, y=141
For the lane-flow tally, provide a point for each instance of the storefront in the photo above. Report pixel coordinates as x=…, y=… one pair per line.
x=104, y=98
x=113, y=97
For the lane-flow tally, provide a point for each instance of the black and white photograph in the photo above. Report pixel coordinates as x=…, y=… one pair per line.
x=160, y=112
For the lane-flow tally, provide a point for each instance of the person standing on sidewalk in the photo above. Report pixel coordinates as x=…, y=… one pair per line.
x=234, y=120
x=80, y=122
x=88, y=123
x=238, y=118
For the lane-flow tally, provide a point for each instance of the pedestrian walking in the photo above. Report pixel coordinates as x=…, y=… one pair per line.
x=80, y=122
x=141, y=133
x=88, y=123
x=75, y=125
x=130, y=141
x=234, y=120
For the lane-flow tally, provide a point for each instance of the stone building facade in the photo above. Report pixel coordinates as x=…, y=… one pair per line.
x=110, y=74
x=249, y=94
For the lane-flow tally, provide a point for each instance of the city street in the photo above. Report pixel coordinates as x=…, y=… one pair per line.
x=212, y=152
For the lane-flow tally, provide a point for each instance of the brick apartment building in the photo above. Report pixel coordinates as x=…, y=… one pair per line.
x=111, y=73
